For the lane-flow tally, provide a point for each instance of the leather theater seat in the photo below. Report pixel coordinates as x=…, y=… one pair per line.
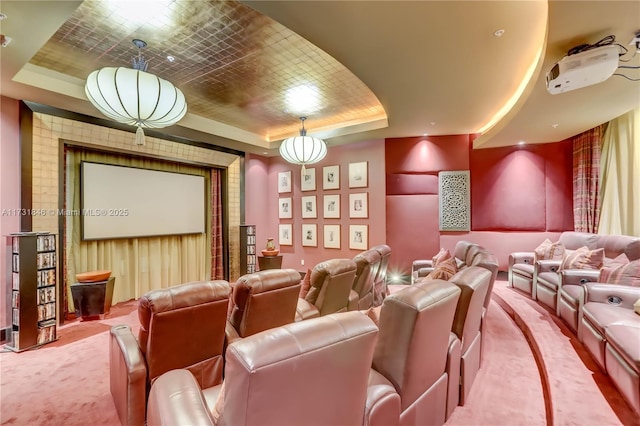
x=331, y=282
x=261, y=301
x=312, y=372
x=180, y=327
x=367, y=266
x=411, y=355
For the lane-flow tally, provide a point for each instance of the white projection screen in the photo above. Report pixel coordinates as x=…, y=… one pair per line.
x=126, y=202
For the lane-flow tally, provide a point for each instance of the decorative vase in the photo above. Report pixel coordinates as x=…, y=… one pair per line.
x=270, y=249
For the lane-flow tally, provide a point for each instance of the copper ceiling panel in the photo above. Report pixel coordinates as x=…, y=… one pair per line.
x=233, y=64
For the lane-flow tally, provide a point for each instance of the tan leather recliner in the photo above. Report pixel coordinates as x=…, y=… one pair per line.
x=261, y=301
x=610, y=331
x=180, y=327
x=474, y=283
x=331, y=283
x=313, y=372
x=411, y=354
x=367, y=266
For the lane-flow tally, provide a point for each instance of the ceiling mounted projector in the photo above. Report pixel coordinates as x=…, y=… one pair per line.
x=583, y=69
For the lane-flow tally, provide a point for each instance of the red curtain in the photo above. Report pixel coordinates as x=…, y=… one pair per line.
x=217, y=256
x=587, y=148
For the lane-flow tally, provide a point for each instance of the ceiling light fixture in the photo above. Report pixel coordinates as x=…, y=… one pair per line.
x=136, y=97
x=303, y=149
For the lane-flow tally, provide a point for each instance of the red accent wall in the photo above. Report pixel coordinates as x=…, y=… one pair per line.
x=518, y=194
x=412, y=166
x=427, y=154
x=522, y=188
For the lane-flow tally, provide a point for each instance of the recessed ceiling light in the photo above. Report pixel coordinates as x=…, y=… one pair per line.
x=303, y=99
x=555, y=125
x=433, y=123
x=424, y=134
x=498, y=33
x=521, y=143
x=171, y=58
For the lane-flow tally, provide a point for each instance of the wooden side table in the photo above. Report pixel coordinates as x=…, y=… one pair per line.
x=270, y=262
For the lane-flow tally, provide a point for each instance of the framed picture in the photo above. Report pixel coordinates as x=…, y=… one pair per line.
x=331, y=208
x=358, y=175
x=310, y=235
x=308, y=180
x=309, y=210
x=285, y=234
x=332, y=236
x=358, y=237
x=284, y=181
x=359, y=205
x=285, y=208
x=331, y=177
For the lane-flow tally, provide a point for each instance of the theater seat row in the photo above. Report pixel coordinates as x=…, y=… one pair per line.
x=326, y=370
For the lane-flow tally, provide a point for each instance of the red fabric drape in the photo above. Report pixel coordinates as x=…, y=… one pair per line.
x=217, y=256
x=587, y=148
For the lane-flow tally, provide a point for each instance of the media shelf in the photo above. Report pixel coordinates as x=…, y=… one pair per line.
x=33, y=278
x=248, y=258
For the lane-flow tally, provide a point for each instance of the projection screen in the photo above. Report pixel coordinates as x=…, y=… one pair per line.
x=126, y=202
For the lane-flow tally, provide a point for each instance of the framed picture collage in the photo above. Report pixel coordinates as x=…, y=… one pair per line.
x=324, y=201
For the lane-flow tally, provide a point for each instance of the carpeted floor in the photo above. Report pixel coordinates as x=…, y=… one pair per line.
x=67, y=382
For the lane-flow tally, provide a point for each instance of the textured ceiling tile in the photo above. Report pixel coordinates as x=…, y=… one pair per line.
x=233, y=64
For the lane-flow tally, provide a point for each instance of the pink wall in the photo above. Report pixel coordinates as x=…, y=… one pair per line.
x=256, y=197
x=261, y=203
x=412, y=166
x=519, y=196
x=522, y=188
x=9, y=190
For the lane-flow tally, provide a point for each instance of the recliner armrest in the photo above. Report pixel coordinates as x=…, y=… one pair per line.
x=176, y=399
x=547, y=266
x=306, y=310
x=382, y=406
x=423, y=272
x=421, y=263
x=622, y=296
x=127, y=376
x=521, y=257
x=579, y=276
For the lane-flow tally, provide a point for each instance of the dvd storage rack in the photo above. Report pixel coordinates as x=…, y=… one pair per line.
x=248, y=258
x=33, y=290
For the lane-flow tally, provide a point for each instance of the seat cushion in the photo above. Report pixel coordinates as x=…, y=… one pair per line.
x=549, y=279
x=572, y=293
x=625, y=338
x=523, y=269
x=602, y=315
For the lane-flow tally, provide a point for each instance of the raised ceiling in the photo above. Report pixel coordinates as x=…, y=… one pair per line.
x=373, y=69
